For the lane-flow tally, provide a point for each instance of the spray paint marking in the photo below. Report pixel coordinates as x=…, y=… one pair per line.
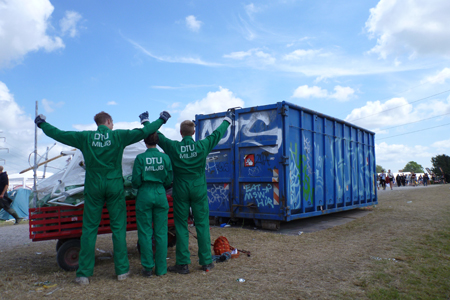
x=259, y=193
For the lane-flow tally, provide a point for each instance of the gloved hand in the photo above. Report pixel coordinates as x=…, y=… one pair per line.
x=229, y=116
x=39, y=119
x=144, y=117
x=164, y=116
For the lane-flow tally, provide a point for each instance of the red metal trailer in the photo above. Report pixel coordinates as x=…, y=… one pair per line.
x=64, y=224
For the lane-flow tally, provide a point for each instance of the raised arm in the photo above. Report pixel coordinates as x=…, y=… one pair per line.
x=135, y=135
x=214, y=138
x=71, y=138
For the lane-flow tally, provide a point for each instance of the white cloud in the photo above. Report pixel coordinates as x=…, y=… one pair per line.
x=23, y=28
x=17, y=129
x=50, y=106
x=400, y=155
x=111, y=103
x=378, y=115
x=184, y=60
x=254, y=56
x=305, y=91
x=69, y=23
x=340, y=94
x=410, y=27
x=213, y=102
x=239, y=54
x=440, y=78
x=175, y=104
x=441, y=145
x=193, y=24
x=396, y=111
x=301, y=54
x=251, y=9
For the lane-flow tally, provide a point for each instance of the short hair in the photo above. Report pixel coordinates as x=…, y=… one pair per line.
x=152, y=139
x=1, y=168
x=187, y=128
x=101, y=118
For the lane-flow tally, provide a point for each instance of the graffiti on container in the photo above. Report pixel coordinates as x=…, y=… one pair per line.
x=297, y=164
x=208, y=126
x=262, y=159
x=254, y=171
x=215, y=167
x=307, y=149
x=319, y=169
x=246, y=127
x=218, y=193
x=294, y=178
x=262, y=194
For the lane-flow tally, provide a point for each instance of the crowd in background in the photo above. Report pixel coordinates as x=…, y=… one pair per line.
x=390, y=179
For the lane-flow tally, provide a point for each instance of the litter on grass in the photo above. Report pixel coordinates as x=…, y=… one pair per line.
x=380, y=258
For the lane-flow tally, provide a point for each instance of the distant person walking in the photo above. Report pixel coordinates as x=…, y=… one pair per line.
x=425, y=179
x=5, y=201
x=383, y=180
x=390, y=175
x=413, y=179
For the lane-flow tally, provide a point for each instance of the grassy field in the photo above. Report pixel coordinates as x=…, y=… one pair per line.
x=401, y=250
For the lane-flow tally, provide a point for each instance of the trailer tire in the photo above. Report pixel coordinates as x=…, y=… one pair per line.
x=270, y=225
x=60, y=243
x=68, y=253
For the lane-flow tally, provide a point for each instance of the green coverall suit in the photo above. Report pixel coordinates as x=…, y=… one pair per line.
x=189, y=190
x=102, y=151
x=152, y=171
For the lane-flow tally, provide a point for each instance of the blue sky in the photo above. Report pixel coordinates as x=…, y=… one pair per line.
x=377, y=64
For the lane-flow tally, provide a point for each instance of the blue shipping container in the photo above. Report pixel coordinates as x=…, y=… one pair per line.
x=283, y=162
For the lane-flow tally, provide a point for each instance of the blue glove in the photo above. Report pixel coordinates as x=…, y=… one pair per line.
x=39, y=119
x=144, y=117
x=164, y=116
x=229, y=116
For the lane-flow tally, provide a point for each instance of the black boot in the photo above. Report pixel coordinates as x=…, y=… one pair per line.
x=13, y=213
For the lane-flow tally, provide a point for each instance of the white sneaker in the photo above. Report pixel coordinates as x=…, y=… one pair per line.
x=123, y=276
x=82, y=280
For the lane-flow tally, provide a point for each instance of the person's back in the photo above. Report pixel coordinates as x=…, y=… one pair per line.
x=152, y=172
x=102, y=151
x=190, y=191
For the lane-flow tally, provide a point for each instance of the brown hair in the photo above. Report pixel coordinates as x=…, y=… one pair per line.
x=187, y=128
x=101, y=118
x=152, y=139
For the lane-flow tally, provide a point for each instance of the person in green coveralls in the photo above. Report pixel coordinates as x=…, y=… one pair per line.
x=189, y=190
x=103, y=150
x=152, y=173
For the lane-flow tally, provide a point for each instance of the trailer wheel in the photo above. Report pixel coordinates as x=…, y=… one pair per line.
x=67, y=256
x=171, y=239
x=270, y=225
x=60, y=243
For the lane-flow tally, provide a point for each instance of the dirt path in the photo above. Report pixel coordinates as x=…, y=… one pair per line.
x=329, y=264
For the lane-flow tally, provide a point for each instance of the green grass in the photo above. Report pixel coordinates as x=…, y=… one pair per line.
x=423, y=274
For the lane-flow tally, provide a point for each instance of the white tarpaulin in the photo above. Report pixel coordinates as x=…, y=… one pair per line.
x=67, y=186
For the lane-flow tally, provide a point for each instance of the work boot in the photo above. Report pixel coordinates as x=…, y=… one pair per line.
x=81, y=280
x=146, y=273
x=208, y=268
x=180, y=269
x=123, y=276
x=13, y=213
